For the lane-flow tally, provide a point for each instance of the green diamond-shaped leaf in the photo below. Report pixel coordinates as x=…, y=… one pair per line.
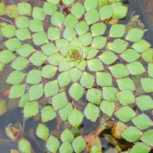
x=67, y=136
x=144, y=102
x=99, y=42
x=134, y=35
x=8, y=31
x=66, y=147
x=23, y=34
x=147, y=137
x=95, y=112
x=12, y=44
x=75, y=74
x=150, y=69
x=134, y=134
x=79, y=144
x=90, y=4
x=75, y=118
x=118, y=46
x=64, y=79
x=94, y=95
x=92, y=16
x=54, y=33
x=141, y=45
x=76, y=91
x=57, y=19
x=147, y=84
x=52, y=144
x=48, y=71
x=147, y=55
x=77, y=10
x=24, y=100
x=119, y=71
x=25, y=50
x=47, y=114
x=81, y=27
x=61, y=43
x=86, y=39
x=38, y=58
x=135, y=68
x=147, y=122
x=51, y=88
x=92, y=53
x=125, y=97
x=98, y=29
x=22, y=22
x=40, y=38
x=36, y=25
x=87, y=80
x=76, y=42
x=67, y=2
x=130, y=55
x=108, y=57
x=95, y=65
x=96, y=148
x=15, y=77
x=2, y=9
x=24, y=146
x=119, y=11
x=105, y=12
x=34, y=77
x=69, y=33
x=117, y=30
x=12, y=11
x=64, y=65
x=6, y=56
x=64, y=112
x=125, y=114
x=59, y=101
x=54, y=59
x=31, y=109
x=49, y=49
x=103, y=79
x=1, y=66
x=42, y=131
x=38, y=13
x=53, y=1
x=49, y=8
x=109, y=93
x=126, y=84
x=140, y=148
x=17, y=91
x=82, y=65
x=36, y=92
x=107, y=107
x=71, y=21
x=20, y=63
x=24, y=8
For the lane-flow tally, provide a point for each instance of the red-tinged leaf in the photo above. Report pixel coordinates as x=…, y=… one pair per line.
x=92, y=140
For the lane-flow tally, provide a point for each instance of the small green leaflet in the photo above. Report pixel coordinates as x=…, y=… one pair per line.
x=36, y=92
x=42, y=131
x=47, y=114
x=75, y=117
x=31, y=109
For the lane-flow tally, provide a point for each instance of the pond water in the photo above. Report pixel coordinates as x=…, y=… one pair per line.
x=15, y=114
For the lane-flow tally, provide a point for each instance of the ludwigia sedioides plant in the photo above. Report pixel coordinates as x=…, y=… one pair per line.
x=76, y=58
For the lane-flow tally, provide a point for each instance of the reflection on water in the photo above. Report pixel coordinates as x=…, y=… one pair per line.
x=15, y=114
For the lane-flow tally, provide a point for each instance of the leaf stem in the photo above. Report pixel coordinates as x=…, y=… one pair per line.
x=6, y=20
x=11, y=2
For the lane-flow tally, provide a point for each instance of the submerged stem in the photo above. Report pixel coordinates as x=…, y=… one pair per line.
x=6, y=20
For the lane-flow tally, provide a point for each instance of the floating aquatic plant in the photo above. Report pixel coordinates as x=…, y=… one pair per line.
x=67, y=58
